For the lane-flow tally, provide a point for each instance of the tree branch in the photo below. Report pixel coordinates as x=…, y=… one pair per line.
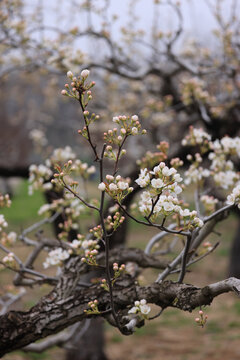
x=54, y=313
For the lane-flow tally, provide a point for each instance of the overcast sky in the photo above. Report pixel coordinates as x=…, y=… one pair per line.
x=198, y=20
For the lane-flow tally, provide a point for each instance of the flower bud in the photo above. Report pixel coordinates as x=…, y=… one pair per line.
x=69, y=74
x=102, y=186
x=85, y=73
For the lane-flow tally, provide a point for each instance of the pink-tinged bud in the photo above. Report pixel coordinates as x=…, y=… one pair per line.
x=109, y=148
x=96, y=301
x=73, y=84
x=197, y=320
x=69, y=162
x=69, y=74
x=89, y=92
x=66, y=86
x=123, y=131
x=144, y=131
x=86, y=113
x=93, y=83
x=74, y=89
x=85, y=73
x=120, y=138
x=200, y=312
x=109, y=177
x=64, y=92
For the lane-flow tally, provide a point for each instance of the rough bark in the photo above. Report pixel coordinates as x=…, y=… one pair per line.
x=234, y=266
x=59, y=309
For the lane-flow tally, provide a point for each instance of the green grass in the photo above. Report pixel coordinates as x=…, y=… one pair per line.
x=116, y=338
x=24, y=208
x=214, y=327
x=33, y=356
x=236, y=308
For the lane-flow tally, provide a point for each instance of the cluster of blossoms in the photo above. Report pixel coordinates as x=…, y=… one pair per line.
x=140, y=307
x=209, y=203
x=234, y=197
x=38, y=137
x=227, y=145
x=80, y=246
x=221, y=168
x=113, y=222
x=9, y=260
x=56, y=257
x=61, y=155
x=226, y=179
x=202, y=319
x=118, y=271
x=39, y=176
x=3, y=222
x=192, y=89
x=93, y=308
x=78, y=86
x=82, y=169
x=128, y=126
x=5, y=200
x=69, y=171
x=11, y=237
x=116, y=187
x=195, y=173
x=8, y=239
x=91, y=248
x=72, y=208
x=196, y=137
x=162, y=195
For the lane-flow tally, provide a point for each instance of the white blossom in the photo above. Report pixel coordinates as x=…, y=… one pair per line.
x=85, y=73
x=55, y=257
x=102, y=186
x=157, y=183
x=122, y=185
x=113, y=187
x=143, y=179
